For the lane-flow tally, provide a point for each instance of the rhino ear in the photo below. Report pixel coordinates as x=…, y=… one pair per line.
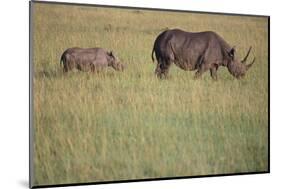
x=232, y=52
x=110, y=53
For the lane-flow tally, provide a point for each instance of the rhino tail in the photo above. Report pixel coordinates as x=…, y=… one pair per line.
x=152, y=53
x=62, y=59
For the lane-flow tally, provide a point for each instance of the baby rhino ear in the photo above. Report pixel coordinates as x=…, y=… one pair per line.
x=110, y=53
x=232, y=52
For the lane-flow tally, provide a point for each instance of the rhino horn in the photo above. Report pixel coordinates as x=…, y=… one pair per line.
x=249, y=65
x=245, y=59
x=118, y=66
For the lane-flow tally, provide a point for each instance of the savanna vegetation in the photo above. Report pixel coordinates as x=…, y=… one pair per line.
x=131, y=125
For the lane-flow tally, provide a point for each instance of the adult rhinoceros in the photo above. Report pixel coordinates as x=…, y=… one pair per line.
x=200, y=51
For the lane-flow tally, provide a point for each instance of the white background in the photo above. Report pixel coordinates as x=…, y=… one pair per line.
x=14, y=69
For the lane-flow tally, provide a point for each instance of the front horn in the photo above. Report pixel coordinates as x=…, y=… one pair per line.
x=249, y=65
x=244, y=60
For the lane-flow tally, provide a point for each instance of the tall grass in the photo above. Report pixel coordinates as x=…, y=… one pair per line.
x=130, y=125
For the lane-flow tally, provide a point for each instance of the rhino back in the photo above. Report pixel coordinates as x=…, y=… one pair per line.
x=189, y=47
x=95, y=56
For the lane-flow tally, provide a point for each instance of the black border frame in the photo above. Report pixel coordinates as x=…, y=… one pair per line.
x=30, y=133
x=131, y=180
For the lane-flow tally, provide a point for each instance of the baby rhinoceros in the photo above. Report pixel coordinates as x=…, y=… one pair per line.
x=89, y=59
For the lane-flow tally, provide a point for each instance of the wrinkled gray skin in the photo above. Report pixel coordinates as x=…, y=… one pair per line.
x=200, y=51
x=90, y=59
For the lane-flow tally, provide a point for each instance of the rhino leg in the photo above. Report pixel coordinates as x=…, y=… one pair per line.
x=93, y=68
x=162, y=69
x=79, y=67
x=213, y=72
x=198, y=74
x=68, y=66
x=65, y=68
x=166, y=68
x=202, y=68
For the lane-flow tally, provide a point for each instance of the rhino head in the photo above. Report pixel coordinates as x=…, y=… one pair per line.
x=114, y=62
x=236, y=67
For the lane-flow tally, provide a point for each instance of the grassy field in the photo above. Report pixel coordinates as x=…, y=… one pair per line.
x=130, y=125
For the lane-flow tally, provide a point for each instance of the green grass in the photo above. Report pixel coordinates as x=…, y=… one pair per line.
x=130, y=125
